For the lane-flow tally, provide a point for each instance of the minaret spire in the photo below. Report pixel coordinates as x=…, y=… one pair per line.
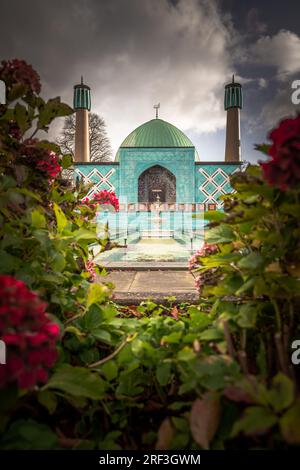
x=82, y=106
x=233, y=102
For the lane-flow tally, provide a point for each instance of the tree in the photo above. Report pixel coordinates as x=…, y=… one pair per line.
x=100, y=148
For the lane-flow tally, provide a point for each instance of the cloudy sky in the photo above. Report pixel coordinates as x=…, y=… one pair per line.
x=135, y=53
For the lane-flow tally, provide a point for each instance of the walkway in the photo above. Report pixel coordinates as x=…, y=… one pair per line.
x=149, y=253
x=131, y=287
x=154, y=268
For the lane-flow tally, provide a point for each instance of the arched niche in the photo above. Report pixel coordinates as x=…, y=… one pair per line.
x=154, y=181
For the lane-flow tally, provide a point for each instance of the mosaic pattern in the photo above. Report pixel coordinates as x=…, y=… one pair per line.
x=101, y=176
x=179, y=161
x=201, y=184
x=213, y=182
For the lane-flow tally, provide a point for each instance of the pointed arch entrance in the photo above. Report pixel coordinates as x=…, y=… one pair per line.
x=154, y=181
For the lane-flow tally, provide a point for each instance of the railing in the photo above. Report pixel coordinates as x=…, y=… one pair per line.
x=165, y=206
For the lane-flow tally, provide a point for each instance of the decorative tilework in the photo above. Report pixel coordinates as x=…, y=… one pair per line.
x=212, y=182
x=101, y=176
x=179, y=161
x=195, y=183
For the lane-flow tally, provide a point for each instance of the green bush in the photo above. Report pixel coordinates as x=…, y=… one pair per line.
x=213, y=375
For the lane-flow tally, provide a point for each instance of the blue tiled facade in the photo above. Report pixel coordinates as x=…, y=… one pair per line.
x=212, y=181
x=196, y=182
x=179, y=161
x=103, y=176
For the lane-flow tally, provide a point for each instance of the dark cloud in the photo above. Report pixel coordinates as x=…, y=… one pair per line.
x=254, y=24
x=134, y=53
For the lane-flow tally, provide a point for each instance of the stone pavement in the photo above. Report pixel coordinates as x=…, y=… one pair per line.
x=131, y=287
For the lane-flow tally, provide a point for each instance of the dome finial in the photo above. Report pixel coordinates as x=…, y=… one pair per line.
x=233, y=78
x=156, y=107
x=81, y=80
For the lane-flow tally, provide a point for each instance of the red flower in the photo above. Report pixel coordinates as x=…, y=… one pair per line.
x=50, y=167
x=103, y=197
x=19, y=72
x=28, y=333
x=44, y=160
x=283, y=170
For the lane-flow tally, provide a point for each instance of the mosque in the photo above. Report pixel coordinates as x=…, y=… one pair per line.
x=157, y=162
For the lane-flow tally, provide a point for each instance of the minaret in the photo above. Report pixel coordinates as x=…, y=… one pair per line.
x=82, y=106
x=233, y=102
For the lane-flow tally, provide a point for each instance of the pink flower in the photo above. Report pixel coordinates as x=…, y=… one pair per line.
x=198, y=283
x=206, y=250
x=90, y=267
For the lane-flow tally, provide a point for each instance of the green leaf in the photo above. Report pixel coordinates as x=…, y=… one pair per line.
x=186, y=354
x=131, y=384
x=252, y=261
x=96, y=293
x=9, y=264
x=93, y=319
x=172, y=337
x=67, y=161
x=58, y=262
x=27, y=435
x=38, y=219
x=89, y=356
x=256, y=421
x=247, y=316
x=61, y=219
x=246, y=286
x=72, y=329
x=21, y=117
x=212, y=334
x=110, y=370
x=48, y=400
x=198, y=320
x=281, y=395
x=50, y=110
x=28, y=193
x=102, y=335
x=290, y=424
x=264, y=148
x=163, y=373
x=221, y=234
x=214, y=216
x=83, y=234
x=77, y=381
x=15, y=197
x=109, y=443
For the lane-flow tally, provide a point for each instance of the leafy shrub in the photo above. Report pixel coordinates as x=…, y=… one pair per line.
x=217, y=374
x=252, y=284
